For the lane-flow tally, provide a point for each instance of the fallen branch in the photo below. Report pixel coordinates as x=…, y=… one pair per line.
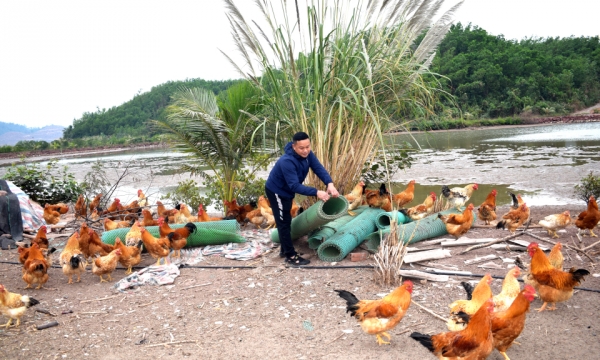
x=173, y=343
x=572, y=247
x=342, y=334
x=474, y=247
x=47, y=325
x=429, y=311
x=100, y=299
x=195, y=286
x=591, y=246
x=44, y=311
x=288, y=295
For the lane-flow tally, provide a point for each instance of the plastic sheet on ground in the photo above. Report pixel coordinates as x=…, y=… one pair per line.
x=257, y=244
x=151, y=275
x=191, y=256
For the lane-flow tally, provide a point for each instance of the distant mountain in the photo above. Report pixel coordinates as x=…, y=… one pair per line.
x=10, y=134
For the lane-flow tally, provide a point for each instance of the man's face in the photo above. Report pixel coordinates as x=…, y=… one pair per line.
x=302, y=147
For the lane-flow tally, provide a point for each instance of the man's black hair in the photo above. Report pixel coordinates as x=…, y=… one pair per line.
x=299, y=136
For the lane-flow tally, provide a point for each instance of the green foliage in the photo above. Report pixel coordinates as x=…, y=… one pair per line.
x=590, y=185
x=96, y=182
x=490, y=76
x=374, y=172
x=445, y=124
x=131, y=117
x=49, y=184
x=189, y=193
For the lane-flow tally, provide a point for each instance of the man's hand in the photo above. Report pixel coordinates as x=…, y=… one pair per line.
x=322, y=195
x=332, y=190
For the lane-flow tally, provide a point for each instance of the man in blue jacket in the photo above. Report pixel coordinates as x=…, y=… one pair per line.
x=285, y=181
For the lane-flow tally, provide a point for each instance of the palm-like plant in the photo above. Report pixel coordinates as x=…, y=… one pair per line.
x=219, y=138
x=356, y=71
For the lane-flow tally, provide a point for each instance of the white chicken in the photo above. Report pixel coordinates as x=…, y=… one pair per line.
x=458, y=196
x=555, y=222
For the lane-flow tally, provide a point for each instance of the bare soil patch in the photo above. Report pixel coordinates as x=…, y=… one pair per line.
x=279, y=312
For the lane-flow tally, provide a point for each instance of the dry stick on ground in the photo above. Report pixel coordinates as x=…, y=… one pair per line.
x=100, y=299
x=497, y=241
x=566, y=245
x=195, y=286
x=174, y=343
x=429, y=311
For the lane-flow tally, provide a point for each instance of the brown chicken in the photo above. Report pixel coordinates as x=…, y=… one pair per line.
x=35, y=269
x=556, y=257
x=94, y=216
x=142, y=199
x=234, y=211
x=72, y=259
x=420, y=211
x=158, y=248
x=355, y=197
x=113, y=209
x=134, y=235
x=96, y=246
x=507, y=325
x=178, y=237
x=553, y=285
x=475, y=298
x=23, y=253
x=378, y=316
x=555, y=222
x=254, y=217
x=487, y=210
x=163, y=227
x=266, y=211
x=458, y=196
x=14, y=306
x=95, y=202
x=148, y=220
x=405, y=196
x=458, y=224
x=130, y=255
x=41, y=238
x=80, y=208
x=589, y=218
x=112, y=225
x=474, y=342
x=379, y=199
x=295, y=210
x=51, y=216
x=105, y=265
x=514, y=218
x=203, y=215
x=162, y=211
x=510, y=290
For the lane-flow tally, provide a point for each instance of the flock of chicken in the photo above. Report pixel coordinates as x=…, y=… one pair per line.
x=476, y=325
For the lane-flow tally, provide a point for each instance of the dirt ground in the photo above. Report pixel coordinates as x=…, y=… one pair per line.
x=283, y=313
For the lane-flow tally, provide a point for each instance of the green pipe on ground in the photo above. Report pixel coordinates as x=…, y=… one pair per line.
x=327, y=230
x=319, y=214
x=385, y=219
x=207, y=233
x=349, y=237
x=415, y=231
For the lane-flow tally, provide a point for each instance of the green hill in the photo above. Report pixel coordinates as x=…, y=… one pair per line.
x=130, y=118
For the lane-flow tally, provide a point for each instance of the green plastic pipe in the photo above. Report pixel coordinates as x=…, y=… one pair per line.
x=319, y=214
x=207, y=233
x=385, y=219
x=415, y=231
x=327, y=230
x=349, y=237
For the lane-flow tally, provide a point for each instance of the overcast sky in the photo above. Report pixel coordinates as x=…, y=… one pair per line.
x=59, y=59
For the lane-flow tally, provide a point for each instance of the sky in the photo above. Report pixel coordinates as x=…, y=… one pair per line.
x=60, y=59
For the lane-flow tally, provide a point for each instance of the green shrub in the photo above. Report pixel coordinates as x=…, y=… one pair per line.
x=51, y=184
x=590, y=185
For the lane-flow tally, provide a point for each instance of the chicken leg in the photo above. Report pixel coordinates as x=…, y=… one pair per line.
x=102, y=279
x=553, y=307
x=380, y=341
x=504, y=354
x=592, y=233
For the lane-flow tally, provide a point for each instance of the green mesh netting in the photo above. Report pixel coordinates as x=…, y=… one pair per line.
x=415, y=231
x=349, y=237
x=327, y=230
x=207, y=233
x=319, y=214
x=384, y=219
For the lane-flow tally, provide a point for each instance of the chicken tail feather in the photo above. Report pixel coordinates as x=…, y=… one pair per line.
x=520, y=264
x=445, y=191
x=351, y=301
x=424, y=340
x=468, y=288
x=501, y=224
x=579, y=274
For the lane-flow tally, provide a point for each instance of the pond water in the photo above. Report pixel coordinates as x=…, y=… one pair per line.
x=543, y=163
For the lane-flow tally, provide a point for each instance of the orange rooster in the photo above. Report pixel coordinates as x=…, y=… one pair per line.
x=514, y=218
x=420, y=211
x=254, y=217
x=555, y=222
x=475, y=298
x=458, y=196
x=458, y=224
x=507, y=325
x=178, y=237
x=114, y=208
x=35, y=269
x=162, y=211
x=378, y=316
x=266, y=211
x=96, y=246
x=474, y=342
x=14, y=306
x=553, y=285
x=510, y=290
x=379, y=199
x=589, y=218
x=105, y=265
x=487, y=210
x=80, y=208
x=130, y=255
x=142, y=199
x=157, y=248
x=163, y=228
x=355, y=197
x=95, y=202
x=51, y=216
x=405, y=196
x=148, y=220
x=234, y=211
x=41, y=238
x=72, y=260
x=203, y=215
